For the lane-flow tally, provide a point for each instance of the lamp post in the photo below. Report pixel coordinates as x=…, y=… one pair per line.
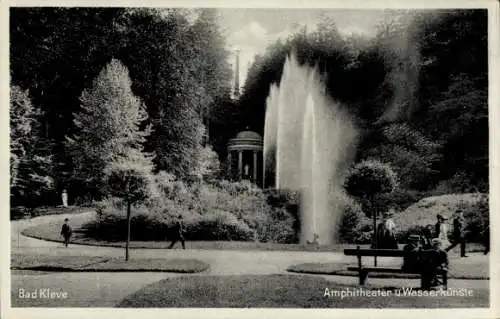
x=375, y=239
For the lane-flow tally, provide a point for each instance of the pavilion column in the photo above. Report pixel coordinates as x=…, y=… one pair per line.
x=229, y=163
x=255, y=166
x=240, y=164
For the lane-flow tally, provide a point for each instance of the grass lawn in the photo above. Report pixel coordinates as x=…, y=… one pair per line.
x=475, y=267
x=82, y=263
x=165, y=265
x=41, y=262
x=283, y=291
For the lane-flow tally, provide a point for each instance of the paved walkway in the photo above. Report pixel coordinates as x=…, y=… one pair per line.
x=107, y=289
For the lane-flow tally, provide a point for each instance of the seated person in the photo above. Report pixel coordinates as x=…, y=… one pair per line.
x=427, y=236
x=435, y=265
x=411, y=257
x=386, y=232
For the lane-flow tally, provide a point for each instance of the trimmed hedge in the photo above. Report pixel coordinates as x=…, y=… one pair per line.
x=144, y=227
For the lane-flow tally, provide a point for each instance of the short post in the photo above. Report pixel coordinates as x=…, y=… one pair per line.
x=359, y=257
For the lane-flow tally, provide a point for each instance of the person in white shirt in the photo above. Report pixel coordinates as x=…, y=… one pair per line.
x=441, y=229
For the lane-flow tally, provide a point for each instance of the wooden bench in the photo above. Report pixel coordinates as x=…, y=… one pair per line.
x=363, y=271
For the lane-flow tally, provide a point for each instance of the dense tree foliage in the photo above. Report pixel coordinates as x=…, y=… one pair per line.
x=418, y=92
x=107, y=126
x=177, y=62
x=31, y=161
x=179, y=76
x=21, y=121
x=370, y=178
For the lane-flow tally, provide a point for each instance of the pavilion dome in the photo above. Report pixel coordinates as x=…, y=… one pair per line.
x=246, y=140
x=248, y=135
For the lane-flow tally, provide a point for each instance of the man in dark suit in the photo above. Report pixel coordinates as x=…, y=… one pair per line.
x=458, y=232
x=66, y=232
x=178, y=231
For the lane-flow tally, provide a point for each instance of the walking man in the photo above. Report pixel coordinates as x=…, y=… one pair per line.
x=178, y=231
x=66, y=232
x=458, y=233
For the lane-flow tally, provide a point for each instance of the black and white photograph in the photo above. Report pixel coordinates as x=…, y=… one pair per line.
x=249, y=157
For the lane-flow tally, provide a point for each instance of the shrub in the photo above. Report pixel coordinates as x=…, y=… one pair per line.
x=289, y=201
x=20, y=212
x=278, y=228
x=111, y=224
x=477, y=219
x=250, y=205
x=173, y=189
x=402, y=235
x=219, y=225
x=282, y=197
x=238, y=188
x=225, y=211
x=460, y=182
x=399, y=199
x=209, y=165
x=353, y=224
x=369, y=178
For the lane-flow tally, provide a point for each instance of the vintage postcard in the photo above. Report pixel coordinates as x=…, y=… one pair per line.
x=221, y=159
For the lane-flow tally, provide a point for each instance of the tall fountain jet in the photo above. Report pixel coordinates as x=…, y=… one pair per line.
x=309, y=141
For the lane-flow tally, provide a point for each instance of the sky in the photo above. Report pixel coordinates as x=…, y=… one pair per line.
x=252, y=30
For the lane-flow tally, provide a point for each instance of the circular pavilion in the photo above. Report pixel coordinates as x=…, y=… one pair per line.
x=244, y=157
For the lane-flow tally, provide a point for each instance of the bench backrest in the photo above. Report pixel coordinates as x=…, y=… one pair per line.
x=374, y=252
x=378, y=252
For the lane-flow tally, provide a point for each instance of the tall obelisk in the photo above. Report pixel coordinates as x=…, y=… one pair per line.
x=236, y=89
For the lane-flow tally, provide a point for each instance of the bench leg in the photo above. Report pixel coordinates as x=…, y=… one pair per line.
x=425, y=281
x=445, y=279
x=362, y=277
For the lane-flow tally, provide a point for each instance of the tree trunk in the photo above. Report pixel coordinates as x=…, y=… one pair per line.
x=128, y=232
